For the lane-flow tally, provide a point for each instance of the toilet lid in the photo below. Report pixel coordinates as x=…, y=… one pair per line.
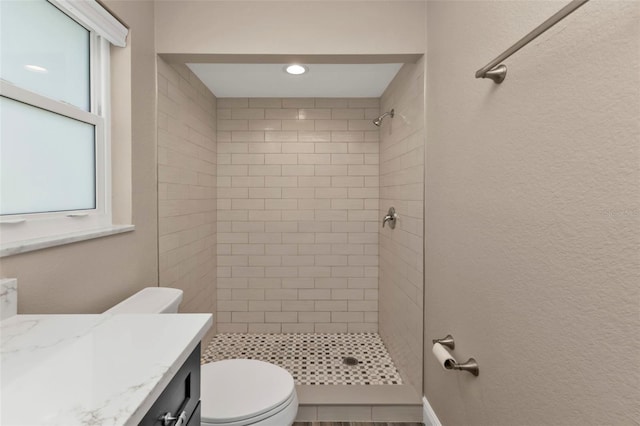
x=237, y=389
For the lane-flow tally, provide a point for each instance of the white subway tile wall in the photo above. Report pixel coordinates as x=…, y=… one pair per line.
x=187, y=187
x=401, y=249
x=298, y=185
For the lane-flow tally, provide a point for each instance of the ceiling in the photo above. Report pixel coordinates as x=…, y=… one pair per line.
x=320, y=81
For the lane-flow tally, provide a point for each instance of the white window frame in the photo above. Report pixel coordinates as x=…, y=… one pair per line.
x=54, y=228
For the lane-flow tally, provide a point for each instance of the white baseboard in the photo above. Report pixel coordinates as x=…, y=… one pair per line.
x=429, y=416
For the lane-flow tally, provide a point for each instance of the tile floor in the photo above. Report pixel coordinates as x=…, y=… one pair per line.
x=312, y=359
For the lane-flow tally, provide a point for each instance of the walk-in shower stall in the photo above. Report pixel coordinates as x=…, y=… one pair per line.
x=271, y=216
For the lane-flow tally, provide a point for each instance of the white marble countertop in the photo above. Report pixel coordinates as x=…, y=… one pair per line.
x=90, y=369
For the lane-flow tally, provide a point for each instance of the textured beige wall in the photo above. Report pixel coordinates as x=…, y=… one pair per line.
x=290, y=27
x=297, y=215
x=91, y=276
x=401, y=249
x=532, y=214
x=187, y=187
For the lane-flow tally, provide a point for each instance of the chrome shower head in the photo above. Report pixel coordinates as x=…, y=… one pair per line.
x=378, y=121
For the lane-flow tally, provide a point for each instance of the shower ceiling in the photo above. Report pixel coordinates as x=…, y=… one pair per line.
x=320, y=81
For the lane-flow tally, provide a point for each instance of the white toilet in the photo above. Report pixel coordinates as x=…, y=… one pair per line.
x=234, y=392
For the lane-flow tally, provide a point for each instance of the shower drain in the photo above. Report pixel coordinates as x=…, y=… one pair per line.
x=349, y=360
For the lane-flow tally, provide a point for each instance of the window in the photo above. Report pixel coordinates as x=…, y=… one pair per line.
x=54, y=117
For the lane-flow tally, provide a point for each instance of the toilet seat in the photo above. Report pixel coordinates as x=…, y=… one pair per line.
x=242, y=392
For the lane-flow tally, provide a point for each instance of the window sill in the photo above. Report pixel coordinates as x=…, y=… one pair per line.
x=26, y=246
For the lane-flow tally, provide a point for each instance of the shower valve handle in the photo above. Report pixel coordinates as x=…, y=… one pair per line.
x=391, y=218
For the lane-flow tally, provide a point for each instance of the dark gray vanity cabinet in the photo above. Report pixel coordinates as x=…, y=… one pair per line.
x=179, y=403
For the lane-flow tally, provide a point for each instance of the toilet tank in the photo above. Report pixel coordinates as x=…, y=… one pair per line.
x=151, y=300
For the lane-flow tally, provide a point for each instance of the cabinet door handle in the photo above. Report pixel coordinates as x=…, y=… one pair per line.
x=182, y=419
x=168, y=419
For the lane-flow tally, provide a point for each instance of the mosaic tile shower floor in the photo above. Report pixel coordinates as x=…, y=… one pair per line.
x=312, y=359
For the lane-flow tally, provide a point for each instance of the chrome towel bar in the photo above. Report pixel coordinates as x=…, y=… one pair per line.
x=496, y=71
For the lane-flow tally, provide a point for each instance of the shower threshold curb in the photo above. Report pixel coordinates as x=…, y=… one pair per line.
x=358, y=403
x=357, y=395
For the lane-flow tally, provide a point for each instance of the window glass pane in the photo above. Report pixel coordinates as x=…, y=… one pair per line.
x=47, y=161
x=45, y=51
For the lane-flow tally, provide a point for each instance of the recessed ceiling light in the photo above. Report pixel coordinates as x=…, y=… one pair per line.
x=36, y=68
x=295, y=69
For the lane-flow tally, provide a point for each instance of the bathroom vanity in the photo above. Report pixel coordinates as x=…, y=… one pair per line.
x=100, y=369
